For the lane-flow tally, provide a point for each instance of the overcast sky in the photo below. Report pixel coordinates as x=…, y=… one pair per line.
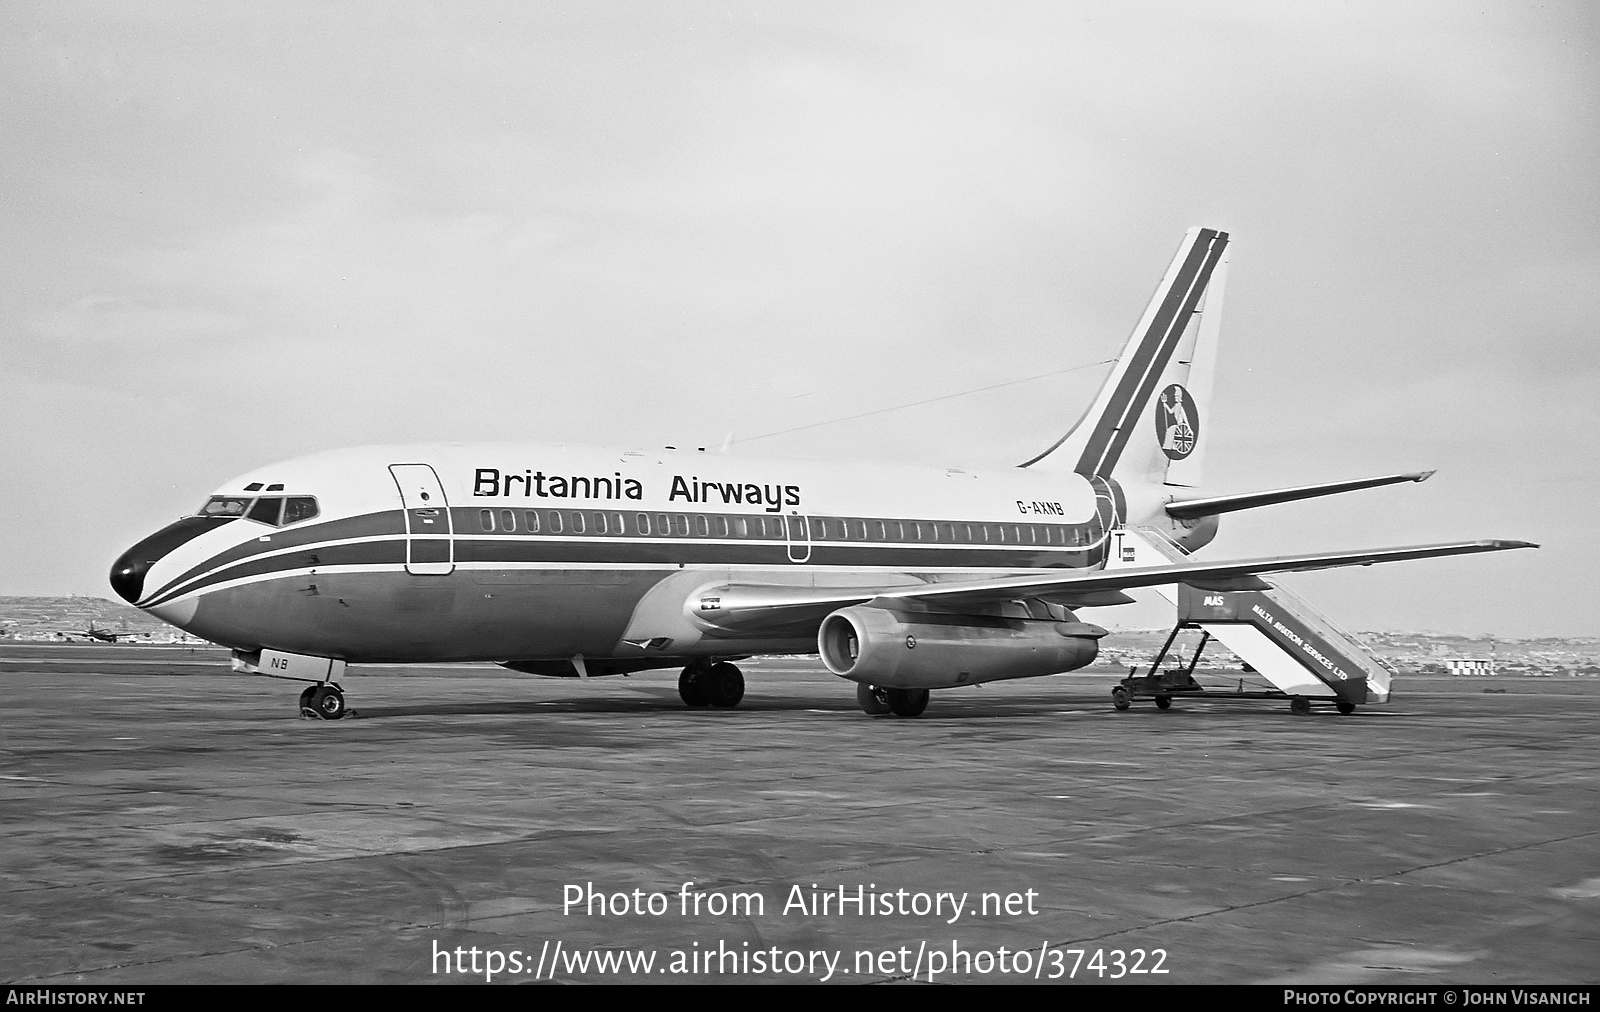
x=239, y=233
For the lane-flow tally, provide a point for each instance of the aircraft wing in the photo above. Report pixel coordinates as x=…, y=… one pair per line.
x=739, y=608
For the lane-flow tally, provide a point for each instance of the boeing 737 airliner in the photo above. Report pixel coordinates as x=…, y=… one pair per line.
x=558, y=560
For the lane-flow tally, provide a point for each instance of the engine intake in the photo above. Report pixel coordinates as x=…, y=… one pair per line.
x=930, y=650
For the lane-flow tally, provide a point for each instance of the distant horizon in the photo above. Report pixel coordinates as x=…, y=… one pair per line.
x=1113, y=628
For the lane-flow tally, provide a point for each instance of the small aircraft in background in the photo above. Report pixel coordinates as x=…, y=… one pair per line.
x=95, y=635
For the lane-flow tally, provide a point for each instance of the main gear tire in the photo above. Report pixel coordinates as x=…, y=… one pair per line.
x=693, y=688
x=907, y=702
x=874, y=702
x=726, y=685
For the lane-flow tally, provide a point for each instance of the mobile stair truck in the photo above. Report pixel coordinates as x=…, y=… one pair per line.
x=1305, y=658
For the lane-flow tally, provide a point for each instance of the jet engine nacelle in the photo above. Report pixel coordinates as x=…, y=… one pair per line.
x=922, y=650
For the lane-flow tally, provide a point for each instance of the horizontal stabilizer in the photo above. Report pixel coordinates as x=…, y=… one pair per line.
x=1191, y=509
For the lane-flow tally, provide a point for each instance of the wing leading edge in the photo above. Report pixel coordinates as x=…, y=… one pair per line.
x=748, y=607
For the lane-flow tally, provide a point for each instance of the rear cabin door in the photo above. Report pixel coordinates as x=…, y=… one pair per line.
x=798, y=531
x=430, y=542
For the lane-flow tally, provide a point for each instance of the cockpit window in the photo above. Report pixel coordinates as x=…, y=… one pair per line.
x=266, y=510
x=228, y=506
x=280, y=511
x=297, y=508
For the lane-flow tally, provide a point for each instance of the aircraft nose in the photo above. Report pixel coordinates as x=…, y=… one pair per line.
x=127, y=574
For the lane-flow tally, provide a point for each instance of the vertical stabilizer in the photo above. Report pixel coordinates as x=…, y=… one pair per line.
x=1147, y=422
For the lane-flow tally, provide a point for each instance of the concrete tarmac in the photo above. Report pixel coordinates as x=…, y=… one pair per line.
x=165, y=821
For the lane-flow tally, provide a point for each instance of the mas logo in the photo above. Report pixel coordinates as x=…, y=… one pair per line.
x=1177, y=422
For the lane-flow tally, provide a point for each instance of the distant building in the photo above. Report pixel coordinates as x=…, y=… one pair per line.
x=1469, y=665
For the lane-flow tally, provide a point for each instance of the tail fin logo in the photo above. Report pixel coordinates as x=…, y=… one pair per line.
x=1177, y=422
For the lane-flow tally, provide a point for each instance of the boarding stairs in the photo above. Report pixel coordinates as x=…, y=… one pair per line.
x=1299, y=651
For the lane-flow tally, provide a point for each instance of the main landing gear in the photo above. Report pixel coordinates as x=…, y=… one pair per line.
x=876, y=701
x=705, y=684
x=325, y=701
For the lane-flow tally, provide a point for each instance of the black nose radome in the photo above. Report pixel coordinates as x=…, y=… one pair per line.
x=128, y=572
x=127, y=575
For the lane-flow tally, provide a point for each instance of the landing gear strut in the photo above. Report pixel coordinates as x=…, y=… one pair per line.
x=720, y=684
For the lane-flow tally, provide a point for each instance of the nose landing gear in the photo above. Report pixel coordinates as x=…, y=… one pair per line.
x=324, y=702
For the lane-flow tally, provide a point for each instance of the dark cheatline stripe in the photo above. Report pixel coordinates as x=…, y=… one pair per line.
x=309, y=549
x=367, y=525
x=555, y=552
x=1151, y=355
x=367, y=553
x=767, y=554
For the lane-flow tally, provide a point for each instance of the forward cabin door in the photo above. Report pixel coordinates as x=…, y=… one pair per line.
x=430, y=540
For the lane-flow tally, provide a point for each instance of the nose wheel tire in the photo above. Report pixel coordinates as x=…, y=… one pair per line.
x=1300, y=706
x=873, y=701
x=1345, y=707
x=327, y=702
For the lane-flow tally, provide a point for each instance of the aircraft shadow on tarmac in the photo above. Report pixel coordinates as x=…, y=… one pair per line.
x=666, y=701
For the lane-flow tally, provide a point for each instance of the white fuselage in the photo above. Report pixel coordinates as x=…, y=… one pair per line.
x=513, y=551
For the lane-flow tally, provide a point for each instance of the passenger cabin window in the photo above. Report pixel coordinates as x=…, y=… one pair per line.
x=508, y=520
x=577, y=523
x=530, y=521
x=643, y=520
x=555, y=522
x=701, y=526
x=486, y=519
